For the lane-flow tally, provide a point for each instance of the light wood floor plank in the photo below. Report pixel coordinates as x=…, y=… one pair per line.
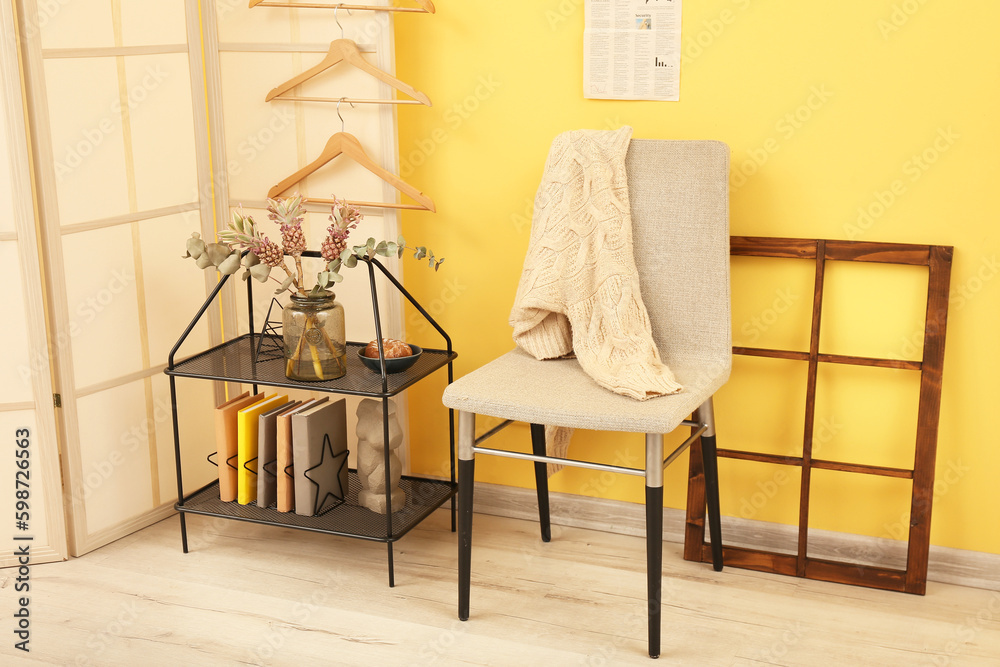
x=261, y=595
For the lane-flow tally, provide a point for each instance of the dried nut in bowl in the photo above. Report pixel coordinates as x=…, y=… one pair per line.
x=393, y=349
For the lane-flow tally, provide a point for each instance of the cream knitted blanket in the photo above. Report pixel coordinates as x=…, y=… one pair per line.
x=579, y=289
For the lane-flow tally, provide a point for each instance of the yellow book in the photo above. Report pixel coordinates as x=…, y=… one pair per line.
x=247, y=420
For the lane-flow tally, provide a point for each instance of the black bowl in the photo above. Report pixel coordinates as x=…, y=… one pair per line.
x=396, y=365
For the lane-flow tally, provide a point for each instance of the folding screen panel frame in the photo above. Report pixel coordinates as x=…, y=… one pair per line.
x=45, y=498
x=913, y=579
x=81, y=538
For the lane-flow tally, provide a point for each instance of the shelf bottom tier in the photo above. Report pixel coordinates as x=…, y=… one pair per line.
x=348, y=519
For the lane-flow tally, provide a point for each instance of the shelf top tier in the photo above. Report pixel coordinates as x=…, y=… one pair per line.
x=234, y=361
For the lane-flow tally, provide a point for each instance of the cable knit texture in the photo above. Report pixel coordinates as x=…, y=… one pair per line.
x=579, y=289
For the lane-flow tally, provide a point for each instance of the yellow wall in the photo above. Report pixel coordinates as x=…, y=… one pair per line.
x=828, y=108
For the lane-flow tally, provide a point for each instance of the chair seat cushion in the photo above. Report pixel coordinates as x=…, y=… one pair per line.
x=558, y=392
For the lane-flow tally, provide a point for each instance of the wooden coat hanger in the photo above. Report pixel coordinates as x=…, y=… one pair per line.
x=348, y=144
x=346, y=50
x=424, y=6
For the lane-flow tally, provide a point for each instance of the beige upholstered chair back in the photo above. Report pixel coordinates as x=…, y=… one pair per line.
x=679, y=195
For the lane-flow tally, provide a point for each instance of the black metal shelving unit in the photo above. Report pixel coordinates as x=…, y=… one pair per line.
x=246, y=360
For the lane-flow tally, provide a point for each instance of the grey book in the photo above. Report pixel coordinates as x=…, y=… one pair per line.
x=319, y=450
x=267, y=443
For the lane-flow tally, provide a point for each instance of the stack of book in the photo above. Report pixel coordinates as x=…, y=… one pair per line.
x=287, y=455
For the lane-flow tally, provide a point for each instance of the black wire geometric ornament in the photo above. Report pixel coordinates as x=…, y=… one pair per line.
x=270, y=344
x=330, y=469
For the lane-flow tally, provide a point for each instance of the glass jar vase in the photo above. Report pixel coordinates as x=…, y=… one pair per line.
x=315, y=338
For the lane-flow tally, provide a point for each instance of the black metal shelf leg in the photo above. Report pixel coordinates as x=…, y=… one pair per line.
x=184, y=533
x=177, y=459
x=392, y=569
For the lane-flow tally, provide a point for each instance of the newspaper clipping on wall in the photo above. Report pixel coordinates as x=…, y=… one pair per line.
x=632, y=50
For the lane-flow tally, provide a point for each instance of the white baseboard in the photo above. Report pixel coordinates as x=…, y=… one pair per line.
x=951, y=566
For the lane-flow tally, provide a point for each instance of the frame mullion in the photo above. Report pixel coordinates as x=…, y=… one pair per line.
x=810, y=417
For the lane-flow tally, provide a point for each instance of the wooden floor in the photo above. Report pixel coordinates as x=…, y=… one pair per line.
x=261, y=595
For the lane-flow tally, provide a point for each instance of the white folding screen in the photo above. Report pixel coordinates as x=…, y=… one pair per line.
x=27, y=417
x=262, y=47
x=121, y=146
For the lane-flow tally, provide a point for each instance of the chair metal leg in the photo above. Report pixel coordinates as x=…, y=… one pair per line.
x=466, y=484
x=541, y=480
x=654, y=538
x=466, y=473
x=654, y=564
x=710, y=465
x=710, y=462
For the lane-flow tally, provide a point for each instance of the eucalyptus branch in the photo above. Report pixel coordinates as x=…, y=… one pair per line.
x=265, y=255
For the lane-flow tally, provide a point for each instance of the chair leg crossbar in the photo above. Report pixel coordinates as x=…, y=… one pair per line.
x=703, y=427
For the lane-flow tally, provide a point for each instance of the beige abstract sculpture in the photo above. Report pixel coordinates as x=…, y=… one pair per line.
x=371, y=457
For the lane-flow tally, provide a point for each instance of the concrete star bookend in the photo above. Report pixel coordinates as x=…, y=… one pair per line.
x=371, y=457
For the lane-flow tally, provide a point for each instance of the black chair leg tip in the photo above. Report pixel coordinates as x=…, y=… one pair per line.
x=463, y=618
x=654, y=657
x=717, y=568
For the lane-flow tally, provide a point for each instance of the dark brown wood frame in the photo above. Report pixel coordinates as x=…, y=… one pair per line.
x=914, y=578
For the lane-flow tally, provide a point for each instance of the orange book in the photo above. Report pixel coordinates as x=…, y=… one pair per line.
x=226, y=440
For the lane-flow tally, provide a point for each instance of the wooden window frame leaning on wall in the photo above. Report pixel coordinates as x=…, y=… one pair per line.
x=914, y=578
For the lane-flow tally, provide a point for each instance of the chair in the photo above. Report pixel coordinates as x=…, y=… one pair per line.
x=680, y=215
